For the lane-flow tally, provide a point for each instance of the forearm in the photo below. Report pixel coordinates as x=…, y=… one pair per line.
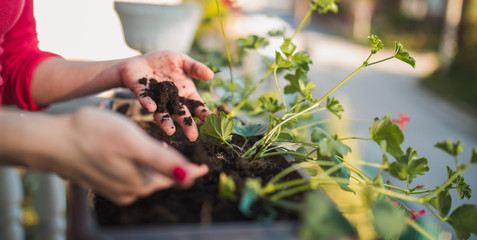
x=32, y=140
x=56, y=79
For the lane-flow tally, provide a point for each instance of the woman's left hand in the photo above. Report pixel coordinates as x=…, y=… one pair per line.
x=176, y=68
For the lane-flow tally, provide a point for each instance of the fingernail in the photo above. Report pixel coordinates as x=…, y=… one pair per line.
x=179, y=173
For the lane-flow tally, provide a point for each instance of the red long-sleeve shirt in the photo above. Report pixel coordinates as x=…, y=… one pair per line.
x=19, y=53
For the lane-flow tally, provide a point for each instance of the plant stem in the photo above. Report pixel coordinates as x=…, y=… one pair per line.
x=431, y=209
x=245, y=97
x=382, y=60
x=288, y=204
x=228, y=144
x=399, y=195
x=278, y=87
x=356, y=138
x=420, y=230
x=305, y=19
x=290, y=192
x=229, y=59
x=284, y=153
x=446, y=183
x=406, y=191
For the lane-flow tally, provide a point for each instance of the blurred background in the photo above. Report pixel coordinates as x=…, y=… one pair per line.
x=439, y=95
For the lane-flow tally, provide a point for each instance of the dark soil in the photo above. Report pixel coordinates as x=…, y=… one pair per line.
x=200, y=203
x=166, y=96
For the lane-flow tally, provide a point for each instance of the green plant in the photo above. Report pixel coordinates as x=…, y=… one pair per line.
x=286, y=133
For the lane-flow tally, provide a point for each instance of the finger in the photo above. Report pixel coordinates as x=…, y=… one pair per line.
x=139, y=89
x=165, y=122
x=157, y=182
x=187, y=124
x=196, y=69
x=195, y=171
x=200, y=111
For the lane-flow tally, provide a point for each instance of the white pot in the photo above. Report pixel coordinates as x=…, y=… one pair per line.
x=149, y=27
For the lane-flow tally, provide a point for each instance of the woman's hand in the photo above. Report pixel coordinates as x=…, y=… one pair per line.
x=96, y=149
x=168, y=66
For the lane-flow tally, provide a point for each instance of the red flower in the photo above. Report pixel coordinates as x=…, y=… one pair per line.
x=403, y=118
x=232, y=4
x=413, y=215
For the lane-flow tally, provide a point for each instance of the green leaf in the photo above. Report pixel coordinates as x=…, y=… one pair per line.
x=403, y=55
x=281, y=62
x=300, y=150
x=287, y=47
x=408, y=166
x=218, y=127
x=376, y=43
x=311, y=171
x=249, y=130
x=327, y=5
x=473, y=159
x=252, y=42
x=334, y=106
x=286, y=135
x=269, y=102
x=462, y=187
x=226, y=187
x=464, y=220
x=389, y=221
x=276, y=33
x=299, y=83
x=301, y=59
x=442, y=202
x=212, y=67
x=251, y=194
x=321, y=220
x=383, y=129
x=454, y=149
x=328, y=146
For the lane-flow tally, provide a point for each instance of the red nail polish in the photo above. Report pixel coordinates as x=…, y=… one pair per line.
x=179, y=173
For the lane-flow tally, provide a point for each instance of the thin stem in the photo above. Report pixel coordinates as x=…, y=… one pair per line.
x=288, y=204
x=278, y=87
x=305, y=19
x=446, y=183
x=420, y=230
x=438, y=216
x=290, y=192
x=312, y=124
x=380, y=61
x=406, y=191
x=245, y=97
x=228, y=144
x=229, y=59
x=284, y=153
x=399, y=195
x=355, y=138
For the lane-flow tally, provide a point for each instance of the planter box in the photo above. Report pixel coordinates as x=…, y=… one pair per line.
x=83, y=223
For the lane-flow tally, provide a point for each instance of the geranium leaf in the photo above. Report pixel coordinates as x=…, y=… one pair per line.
x=269, y=102
x=442, y=202
x=327, y=5
x=301, y=60
x=313, y=172
x=252, y=42
x=287, y=47
x=248, y=130
x=389, y=221
x=321, y=219
x=383, y=129
x=328, y=146
x=299, y=83
x=464, y=220
x=403, y=55
x=473, y=158
x=462, y=187
x=250, y=194
x=454, y=149
x=408, y=166
x=334, y=106
x=218, y=127
x=226, y=187
x=281, y=62
x=376, y=43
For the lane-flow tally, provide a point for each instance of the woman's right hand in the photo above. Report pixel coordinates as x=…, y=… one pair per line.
x=96, y=149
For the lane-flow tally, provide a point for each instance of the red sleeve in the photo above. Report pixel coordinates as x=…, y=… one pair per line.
x=20, y=58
